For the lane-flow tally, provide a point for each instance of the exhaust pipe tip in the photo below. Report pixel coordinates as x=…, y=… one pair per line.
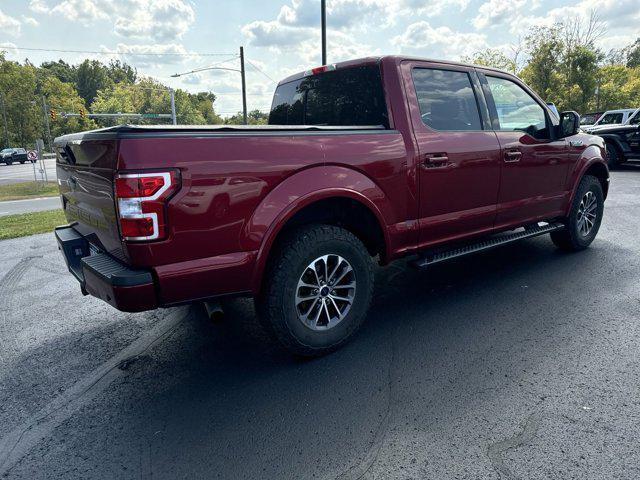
x=214, y=311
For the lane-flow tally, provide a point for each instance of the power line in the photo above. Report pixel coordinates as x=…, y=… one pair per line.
x=177, y=54
x=260, y=70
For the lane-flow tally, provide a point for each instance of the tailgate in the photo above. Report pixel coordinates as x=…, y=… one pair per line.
x=85, y=167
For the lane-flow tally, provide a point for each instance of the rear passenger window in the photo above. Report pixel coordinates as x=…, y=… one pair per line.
x=446, y=98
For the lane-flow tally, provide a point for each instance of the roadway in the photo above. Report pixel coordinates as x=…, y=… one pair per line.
x=23, y=172
x=521, y=362
x=11, y=207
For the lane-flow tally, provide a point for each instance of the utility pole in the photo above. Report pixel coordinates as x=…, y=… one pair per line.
x=244, y=86
x=4, y=116
x=173, y=106
x=323, y=17
x=45, y=112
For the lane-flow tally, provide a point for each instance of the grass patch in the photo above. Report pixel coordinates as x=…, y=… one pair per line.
x=22, y=190
x=23, y=224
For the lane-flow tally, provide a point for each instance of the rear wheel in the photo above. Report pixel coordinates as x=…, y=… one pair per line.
x=583, y=222
x=614, y=156
x=316, y=290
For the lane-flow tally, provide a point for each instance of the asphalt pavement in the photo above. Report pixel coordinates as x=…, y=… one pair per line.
x=23, y=172
x=521, y=362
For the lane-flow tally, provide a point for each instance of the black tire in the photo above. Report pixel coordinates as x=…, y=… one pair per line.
x=572, y=238
x=291, y=260
x=614, y=155
x=22, y=162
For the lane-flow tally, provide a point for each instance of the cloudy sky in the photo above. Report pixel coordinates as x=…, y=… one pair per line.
x=162, y=37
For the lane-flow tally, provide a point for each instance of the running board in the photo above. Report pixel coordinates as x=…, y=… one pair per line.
x=487, y=244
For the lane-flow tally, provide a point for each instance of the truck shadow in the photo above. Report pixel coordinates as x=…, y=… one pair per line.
x=219, y=399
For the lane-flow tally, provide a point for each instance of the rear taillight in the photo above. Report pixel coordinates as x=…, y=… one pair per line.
x=142, y=200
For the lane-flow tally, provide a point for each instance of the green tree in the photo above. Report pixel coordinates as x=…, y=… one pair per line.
x=542, y=72
x=633, y=54
x=120, y=72
x=63, y=97
x=61, y=70
x=491, y=57
x=254, y=117
x=24, y=116
x=91, y=76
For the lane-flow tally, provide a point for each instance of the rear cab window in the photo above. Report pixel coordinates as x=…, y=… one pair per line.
x=446, y=99
x=350, y=96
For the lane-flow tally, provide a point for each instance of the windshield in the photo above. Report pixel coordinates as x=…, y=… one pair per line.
x=6, y=150
x=349, y=96
x=611, y=118
x=635, y=120
x=588, y=119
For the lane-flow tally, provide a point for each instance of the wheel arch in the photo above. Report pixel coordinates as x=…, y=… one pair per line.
x=596, y=167
x=316, y=195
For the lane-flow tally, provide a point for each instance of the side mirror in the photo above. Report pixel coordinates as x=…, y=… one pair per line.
x=569, y=124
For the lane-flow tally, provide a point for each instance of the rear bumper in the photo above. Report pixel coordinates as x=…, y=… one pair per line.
x=102, y=276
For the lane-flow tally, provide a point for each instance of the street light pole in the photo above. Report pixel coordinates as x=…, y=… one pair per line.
x=45, y=112
x=323, y=21
x=173, y=107
x=241, y=72
x=244, y=86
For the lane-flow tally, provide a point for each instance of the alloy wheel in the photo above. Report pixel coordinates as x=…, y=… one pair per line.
x=325, y=292
x=587, y=213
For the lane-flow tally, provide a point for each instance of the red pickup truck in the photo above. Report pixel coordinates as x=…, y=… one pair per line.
x=375, y=158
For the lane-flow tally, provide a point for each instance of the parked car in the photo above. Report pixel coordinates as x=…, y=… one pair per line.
x=612, y=117
x=20, y=155
x=6, y=156
x=589, y=119
x=377, y=158
x=622, y=141
x=13, y=155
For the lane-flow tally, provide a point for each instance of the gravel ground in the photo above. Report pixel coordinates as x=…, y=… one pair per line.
x=518, y=363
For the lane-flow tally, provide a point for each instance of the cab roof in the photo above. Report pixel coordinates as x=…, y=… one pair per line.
x=391, y=58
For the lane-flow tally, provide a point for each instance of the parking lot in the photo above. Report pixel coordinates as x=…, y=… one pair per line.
x=517, y=363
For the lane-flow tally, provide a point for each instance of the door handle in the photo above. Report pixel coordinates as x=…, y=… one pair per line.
x=434, y=160
x=512, y=155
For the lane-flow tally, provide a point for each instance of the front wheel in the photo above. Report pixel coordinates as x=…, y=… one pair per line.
x=614, y=156
x=316, y=290
x=583, y=222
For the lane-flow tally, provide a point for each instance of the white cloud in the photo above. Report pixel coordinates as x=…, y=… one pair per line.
x=162, y=54
x=621, y=17
x=83, y=11
x=9, y=25
x=32, y=22
x=38, y=6
x=156, y=20
x=274, y=33
x=10, y=48
x=433, y=8
x=422, y=38
x=496, y=12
